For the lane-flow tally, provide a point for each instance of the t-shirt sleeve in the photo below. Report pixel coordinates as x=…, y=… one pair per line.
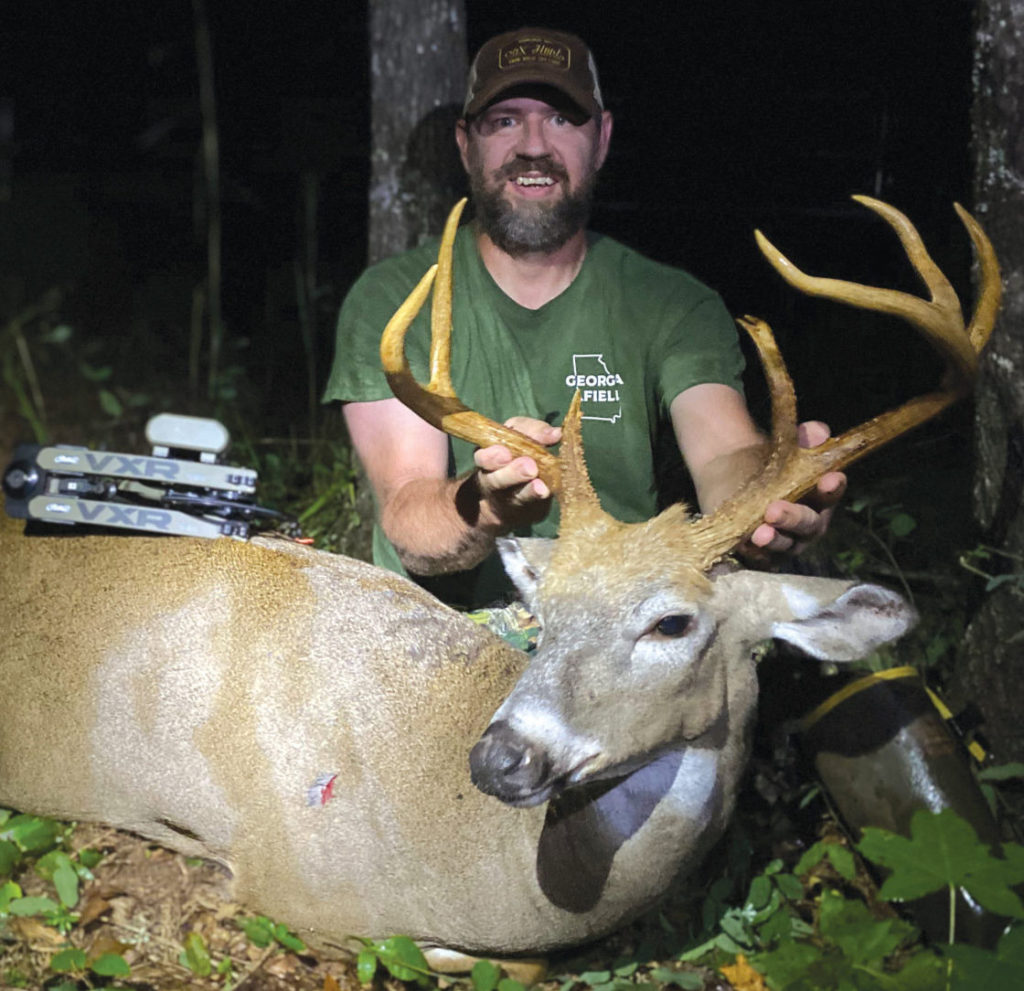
x=356, y=373
x=699, y=346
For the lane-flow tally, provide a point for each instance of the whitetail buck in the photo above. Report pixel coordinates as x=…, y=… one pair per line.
x=196, y=692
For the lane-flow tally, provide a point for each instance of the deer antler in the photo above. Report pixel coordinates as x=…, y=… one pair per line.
x=437, y=402
x=791, y=471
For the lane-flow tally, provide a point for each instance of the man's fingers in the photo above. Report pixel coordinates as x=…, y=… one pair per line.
x=537, y=430
x=811, y=433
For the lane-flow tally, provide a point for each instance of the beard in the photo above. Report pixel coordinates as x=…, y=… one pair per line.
x=523, y=228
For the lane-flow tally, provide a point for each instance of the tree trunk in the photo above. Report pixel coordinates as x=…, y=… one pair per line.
x=418, y=76
x=992, y=665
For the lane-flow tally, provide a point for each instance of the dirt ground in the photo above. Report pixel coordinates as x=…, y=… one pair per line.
x=143, y=903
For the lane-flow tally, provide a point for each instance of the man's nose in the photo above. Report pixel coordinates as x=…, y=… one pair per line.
x=533, y=141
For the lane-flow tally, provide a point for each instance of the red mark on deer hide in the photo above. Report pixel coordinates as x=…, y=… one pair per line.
x=321, y=791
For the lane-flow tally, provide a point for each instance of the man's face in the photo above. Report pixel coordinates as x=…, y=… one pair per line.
x=532, y=172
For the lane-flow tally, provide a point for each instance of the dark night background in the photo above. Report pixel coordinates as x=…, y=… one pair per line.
x=729, y=116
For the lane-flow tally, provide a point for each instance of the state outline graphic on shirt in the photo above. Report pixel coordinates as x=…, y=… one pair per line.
x=597, y=388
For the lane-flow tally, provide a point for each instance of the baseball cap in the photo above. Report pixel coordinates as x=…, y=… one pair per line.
x=534, y=56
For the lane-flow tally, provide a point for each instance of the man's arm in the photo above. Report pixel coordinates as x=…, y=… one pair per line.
x=437, y=524
x=722, y=448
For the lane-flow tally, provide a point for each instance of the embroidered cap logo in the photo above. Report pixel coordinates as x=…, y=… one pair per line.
x=525, y=51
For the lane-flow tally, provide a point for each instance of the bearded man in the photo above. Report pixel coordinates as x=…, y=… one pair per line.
x=542, y=307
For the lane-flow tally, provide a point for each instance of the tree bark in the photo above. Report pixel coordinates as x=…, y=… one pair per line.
x=418, y=76
x=992, y=662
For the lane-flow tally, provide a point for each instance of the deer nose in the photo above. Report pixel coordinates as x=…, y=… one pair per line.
x=507, y=765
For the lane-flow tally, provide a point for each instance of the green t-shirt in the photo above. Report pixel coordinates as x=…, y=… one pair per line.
x=630, y=333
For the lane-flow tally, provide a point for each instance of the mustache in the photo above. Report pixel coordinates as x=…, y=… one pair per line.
x=522, y=166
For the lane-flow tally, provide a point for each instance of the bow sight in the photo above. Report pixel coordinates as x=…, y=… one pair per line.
x=189, y=494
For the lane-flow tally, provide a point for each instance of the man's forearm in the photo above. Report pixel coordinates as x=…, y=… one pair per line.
x=723, y=476
x=440, y=525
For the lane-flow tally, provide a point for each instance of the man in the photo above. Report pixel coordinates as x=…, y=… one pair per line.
x=542, y=307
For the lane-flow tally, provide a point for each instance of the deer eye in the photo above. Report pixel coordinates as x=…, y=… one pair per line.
x=675, y=625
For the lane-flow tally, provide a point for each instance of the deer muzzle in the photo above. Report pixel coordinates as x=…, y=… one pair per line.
x=510, y=767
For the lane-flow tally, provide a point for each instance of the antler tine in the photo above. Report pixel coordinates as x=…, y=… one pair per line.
x=790, y=471
x=984, y=318
x=437, y=402
x=939, y=319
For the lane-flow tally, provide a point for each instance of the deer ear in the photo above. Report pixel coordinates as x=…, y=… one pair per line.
x=526, y=559
x=845, y=628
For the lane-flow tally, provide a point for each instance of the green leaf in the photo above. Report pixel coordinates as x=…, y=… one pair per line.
x=56, y=866
x=110, y=404
x=992, y=885
x=287, y=938
x=402, y=957
x=977, y=968
x=842, y=860
x=70, y=959
x=34, y=905
x=790, y=886
x=32, y=834
x=760, y=891
x=9, y=857
x=366, y=966
x=862, y=938
x=195, y=956
x=924, y=971
x=507, y=984
x=685, y=979
x=110, y=965
x=258, y=930
x=902, y=524
x=1003, y=772
x=485, y=975
x=60, y=334
x=780, y=926
x=89, y=858
x=9, y=890
x=944, y=850
x=811, y=857
x=46, y=866
x=784, y=965
x=96, y=373
x=65, y=880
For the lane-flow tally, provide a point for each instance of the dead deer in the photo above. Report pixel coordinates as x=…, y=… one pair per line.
x=317, y=725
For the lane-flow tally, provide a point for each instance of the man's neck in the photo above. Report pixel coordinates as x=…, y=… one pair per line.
x=537, y=278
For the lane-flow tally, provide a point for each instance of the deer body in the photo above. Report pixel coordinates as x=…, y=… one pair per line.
x=193, y=691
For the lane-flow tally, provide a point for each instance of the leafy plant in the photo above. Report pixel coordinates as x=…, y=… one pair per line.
x=998, y=568
x=843, y=945
x=943, y=851
x=44, y=844
x=263, y=932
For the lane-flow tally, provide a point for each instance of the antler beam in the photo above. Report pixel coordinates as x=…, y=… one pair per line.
x=437, y=402
x=791, y=471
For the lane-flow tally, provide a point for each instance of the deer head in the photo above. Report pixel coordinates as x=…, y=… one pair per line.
x=631, y=610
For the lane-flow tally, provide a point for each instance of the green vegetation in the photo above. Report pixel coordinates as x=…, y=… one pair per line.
x=817, y=923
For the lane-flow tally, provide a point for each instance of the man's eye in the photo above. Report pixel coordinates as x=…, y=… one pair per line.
x=559, y=120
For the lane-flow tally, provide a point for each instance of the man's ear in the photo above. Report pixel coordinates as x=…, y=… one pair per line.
x=462, y=140
x=604, y=138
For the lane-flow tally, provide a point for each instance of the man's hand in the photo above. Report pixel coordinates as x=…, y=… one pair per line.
x=510, y=492
x=788, y=527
